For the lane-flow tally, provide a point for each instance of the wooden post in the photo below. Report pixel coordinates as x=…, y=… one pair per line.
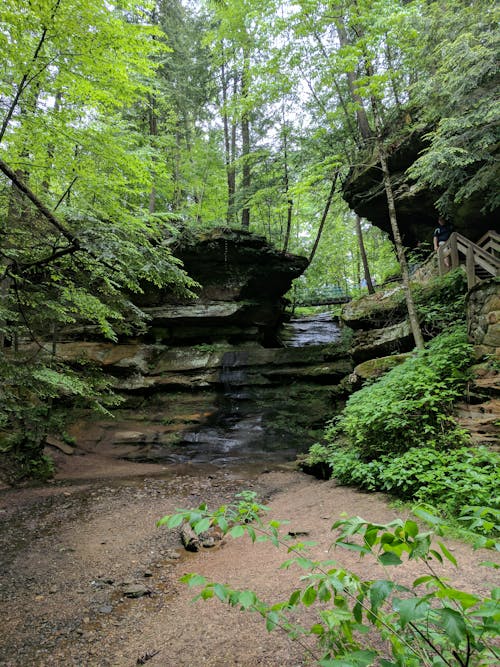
x=453, y=251
x=441, y=266
x=469, y=265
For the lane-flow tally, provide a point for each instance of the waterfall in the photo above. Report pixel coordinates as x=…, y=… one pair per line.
x=234, y=374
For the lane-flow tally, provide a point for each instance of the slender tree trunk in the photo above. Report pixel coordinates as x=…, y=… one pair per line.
x=231, y=176
x=153, y=132
x=364, y=259
x=324, y=216
x=390, y=65
x=229, y=148
x=289, y=210
x=361, y=117
x=246, y=180
x=410, y=304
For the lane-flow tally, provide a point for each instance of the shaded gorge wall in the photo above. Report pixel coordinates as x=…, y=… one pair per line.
x=217, y=379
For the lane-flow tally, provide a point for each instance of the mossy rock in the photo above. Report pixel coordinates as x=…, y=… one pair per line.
x=381, y=309
x=374, y=368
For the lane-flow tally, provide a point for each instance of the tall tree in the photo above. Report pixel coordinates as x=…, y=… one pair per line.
x=80, y=175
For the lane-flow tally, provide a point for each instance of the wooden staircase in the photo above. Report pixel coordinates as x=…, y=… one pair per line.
x=482, y=259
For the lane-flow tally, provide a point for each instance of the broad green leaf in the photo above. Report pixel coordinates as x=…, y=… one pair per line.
x=237, y=531
x=453, y=624
x=389, y=558
x=202, y=526
x=309, y=596
x=379, y=592
x=272, y=620
x=410, y=609
x=246, y=599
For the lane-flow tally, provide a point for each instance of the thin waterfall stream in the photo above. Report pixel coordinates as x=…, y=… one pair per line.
x=250, y=425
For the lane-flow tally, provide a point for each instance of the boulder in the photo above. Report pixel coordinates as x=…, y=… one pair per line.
x=382, y=342
x=377, y=310
x=374, y=368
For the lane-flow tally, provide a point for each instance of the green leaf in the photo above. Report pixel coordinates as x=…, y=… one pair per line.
x=465, y=600
x=247, y=599
x=453, y=624
x=447, y=554
x=251, y=533
x=192, y=579
x=352, y=659
x=272, y=620
x=317, y=629
x=379, y=592
x=389, y=558
x=223, y=524
x=410, y=610
x=237, y=531
x=221, y=592
x=411, y=528
x=353, y=547
x=309, y=596
x=207, y=593
x=202, y=526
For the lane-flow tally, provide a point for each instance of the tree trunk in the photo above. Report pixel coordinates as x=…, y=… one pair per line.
x=361, y=117
x=324, y=216
x=153, y=132
x=229, y=148
x=245, y=140
x=364, y=259
x=289, y=211
x=410, y=304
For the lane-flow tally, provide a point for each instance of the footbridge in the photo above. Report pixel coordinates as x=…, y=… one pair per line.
x=327, y=295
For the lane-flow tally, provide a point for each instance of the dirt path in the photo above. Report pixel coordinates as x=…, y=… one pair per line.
x=69, y=551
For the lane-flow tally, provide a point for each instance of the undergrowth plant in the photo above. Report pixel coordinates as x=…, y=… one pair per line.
x=440, y=303
x=412, y=405
x=359, y=622
x=398, y=434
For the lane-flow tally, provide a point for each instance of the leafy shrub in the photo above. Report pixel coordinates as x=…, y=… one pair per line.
x=449, y=480
x=358, y=622
x=412, y=404
x=441, y=302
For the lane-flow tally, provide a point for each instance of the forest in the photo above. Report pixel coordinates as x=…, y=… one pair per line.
x=340, y=131
x=123, y=124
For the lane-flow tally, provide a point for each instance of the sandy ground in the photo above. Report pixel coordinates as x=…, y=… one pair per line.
x=70, y=549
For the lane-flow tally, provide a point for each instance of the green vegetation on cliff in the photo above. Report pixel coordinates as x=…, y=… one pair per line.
x=398, y=434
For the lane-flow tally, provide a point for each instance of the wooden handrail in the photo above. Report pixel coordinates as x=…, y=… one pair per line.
x=489, y=236
x=475, y=255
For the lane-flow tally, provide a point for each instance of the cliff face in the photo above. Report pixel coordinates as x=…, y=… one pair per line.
x=242, y=281
x=364, y=192
x=209, y=374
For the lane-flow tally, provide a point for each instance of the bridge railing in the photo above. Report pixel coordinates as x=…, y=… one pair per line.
x=321, y=296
